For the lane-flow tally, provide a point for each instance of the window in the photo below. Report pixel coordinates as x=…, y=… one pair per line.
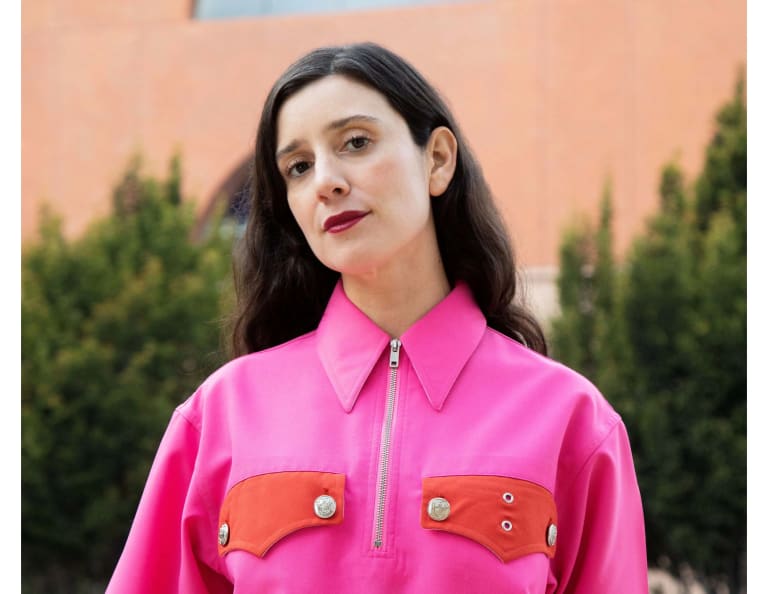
x=227, y=9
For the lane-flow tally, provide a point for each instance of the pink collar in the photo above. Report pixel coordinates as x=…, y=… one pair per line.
x=438, y=345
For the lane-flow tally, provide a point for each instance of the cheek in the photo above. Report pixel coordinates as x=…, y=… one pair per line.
x=401, y=173
x=381, y=174
x=300, y=212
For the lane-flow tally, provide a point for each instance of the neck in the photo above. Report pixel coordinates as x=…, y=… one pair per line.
x=394, y=300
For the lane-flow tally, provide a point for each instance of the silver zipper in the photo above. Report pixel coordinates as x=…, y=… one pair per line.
x=386, y=439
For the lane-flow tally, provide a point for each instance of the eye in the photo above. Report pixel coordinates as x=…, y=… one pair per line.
x=357, y=143
x=297, y=168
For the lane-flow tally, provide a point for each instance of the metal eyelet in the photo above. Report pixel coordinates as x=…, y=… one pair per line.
x=506, y=525
x=508, y=497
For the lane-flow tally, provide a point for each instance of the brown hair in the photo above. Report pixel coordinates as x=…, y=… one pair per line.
x=282, y=288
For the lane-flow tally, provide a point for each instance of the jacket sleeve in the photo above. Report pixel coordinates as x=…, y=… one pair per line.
x=171, y=547
x=601, y=533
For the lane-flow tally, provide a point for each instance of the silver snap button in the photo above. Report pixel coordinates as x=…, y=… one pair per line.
x=325, y=506
x=508, y=497
x=551, y=535
x=224, y=534
x=438, y=509
x=506, y=525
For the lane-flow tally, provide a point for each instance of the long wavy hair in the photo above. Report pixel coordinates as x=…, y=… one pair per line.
x=282, y=288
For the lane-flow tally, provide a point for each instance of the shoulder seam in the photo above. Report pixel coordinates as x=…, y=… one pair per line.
x=509, y=338
x=212, y=512
x=299, y=338
x=183, y=415
x=519, y=344
x=598, y=446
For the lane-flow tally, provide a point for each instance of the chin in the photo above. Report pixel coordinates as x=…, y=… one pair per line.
x=357, y=268
x=354, y=263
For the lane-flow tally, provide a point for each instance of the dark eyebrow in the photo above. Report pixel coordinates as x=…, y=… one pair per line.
x=290, y=147
x=334, y=125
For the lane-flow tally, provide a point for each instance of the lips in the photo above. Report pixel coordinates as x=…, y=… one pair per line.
x=343, y=221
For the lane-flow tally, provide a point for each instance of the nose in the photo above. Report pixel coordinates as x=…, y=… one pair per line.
x=330, y=180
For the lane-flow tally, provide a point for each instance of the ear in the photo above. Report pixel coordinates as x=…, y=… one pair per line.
x=442, y=151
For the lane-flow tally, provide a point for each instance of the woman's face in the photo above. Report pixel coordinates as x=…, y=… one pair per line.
x=357, y=184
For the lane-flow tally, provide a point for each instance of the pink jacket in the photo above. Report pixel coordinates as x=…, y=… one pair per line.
x=452, y=460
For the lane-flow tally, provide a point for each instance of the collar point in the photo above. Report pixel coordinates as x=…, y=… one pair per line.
x=437, y=403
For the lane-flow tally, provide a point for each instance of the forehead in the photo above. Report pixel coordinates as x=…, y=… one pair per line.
x=326, y=100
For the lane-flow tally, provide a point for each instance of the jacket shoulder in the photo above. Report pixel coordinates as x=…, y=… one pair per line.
x=241, y=376
x=554, y=384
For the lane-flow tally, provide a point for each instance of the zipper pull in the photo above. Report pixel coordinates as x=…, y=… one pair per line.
x=394, y=353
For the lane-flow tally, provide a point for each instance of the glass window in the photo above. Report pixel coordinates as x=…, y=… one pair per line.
x=227, y=9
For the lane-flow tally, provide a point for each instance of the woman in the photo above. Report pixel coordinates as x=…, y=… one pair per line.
x=391, y=423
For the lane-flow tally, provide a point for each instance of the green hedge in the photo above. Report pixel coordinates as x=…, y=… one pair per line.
x=118, y=327
x=664, y=337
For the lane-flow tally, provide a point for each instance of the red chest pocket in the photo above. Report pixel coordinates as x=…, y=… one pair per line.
x=260, y=510
x=511, y=517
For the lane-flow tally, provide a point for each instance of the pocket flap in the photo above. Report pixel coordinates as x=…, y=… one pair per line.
x=511, y=517
x=262, y=509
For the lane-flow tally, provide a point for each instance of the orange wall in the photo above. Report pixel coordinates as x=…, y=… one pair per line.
x=78, y=14
x=553, y=95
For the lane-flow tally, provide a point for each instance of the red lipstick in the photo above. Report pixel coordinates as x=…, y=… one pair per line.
x=343, y=221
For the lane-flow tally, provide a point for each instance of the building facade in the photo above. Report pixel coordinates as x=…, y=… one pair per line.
x=556, y=97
